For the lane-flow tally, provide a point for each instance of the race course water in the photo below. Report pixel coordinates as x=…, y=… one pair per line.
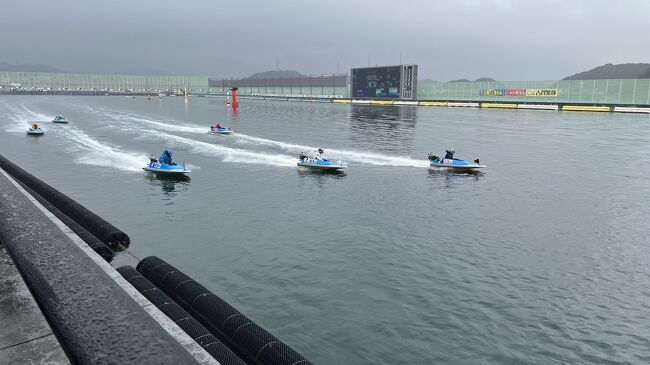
x=542, y=258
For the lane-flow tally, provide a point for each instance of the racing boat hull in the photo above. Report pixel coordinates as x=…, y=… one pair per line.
x=322, y=165
x=221, y=131
x=157, y=167
x=455, y=164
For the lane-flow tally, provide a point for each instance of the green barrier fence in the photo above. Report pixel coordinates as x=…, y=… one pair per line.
x=616, y=91
x=69, y=81
x=611, y=92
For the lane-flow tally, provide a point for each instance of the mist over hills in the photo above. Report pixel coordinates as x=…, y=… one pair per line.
x=143, y=71
x=27, y=67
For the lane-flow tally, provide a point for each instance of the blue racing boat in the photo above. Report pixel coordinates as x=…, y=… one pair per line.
x=453, y=163
x=218, y=129
x=165, y=165
x=35, y=130
x=318, y=163
x=59, y=119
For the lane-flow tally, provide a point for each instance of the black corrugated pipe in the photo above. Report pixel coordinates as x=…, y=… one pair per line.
x=92, y=241
x=92, y=316
x=183, y=319
x=249, y=341
x=106, y=232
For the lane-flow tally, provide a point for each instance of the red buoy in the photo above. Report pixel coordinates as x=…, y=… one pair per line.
x=235, y=103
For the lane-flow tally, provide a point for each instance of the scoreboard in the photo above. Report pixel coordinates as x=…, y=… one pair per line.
x=384, y=82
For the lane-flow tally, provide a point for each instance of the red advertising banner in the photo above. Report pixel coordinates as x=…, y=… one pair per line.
x=516, y=92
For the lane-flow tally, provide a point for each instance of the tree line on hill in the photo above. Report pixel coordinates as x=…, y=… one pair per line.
x=610, y=71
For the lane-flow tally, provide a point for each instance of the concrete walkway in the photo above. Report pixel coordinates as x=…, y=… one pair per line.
x=25, y=335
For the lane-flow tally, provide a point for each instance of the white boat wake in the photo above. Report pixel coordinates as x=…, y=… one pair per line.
x=227, y=154
x=370, y=158
x=363, y=157
x=186, y=128
x=94, y=152
x=22, y=118
x=101, y=154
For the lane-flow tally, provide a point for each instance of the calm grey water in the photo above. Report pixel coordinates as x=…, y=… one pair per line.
x=542, y=259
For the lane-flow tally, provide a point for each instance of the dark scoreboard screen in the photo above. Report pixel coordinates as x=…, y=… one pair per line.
x=376, y=82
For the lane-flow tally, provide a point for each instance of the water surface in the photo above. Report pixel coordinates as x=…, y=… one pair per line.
x=542, y=258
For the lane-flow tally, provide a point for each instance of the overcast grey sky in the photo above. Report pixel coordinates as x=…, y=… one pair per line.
x=503, y=39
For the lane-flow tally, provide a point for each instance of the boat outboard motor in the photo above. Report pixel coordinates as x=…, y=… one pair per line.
x=320, y=150
x=477, y=161
x=302, y=156
x=433, y=157
x=152, y=159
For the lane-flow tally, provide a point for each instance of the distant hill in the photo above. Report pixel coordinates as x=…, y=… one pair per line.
x=610, y=71
x=645, y=75
x=482, y=79
x=136, y=70
x=144, y=71
x=27, y=67
x=279, y=74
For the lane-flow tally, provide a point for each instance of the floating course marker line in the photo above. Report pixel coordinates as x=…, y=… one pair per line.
x=586, y=108
x=623, y=109
x=538, y=106
x=490, y=105
x=433, y=103
x=381, y=102
x=463, y=105
x=499, y=105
